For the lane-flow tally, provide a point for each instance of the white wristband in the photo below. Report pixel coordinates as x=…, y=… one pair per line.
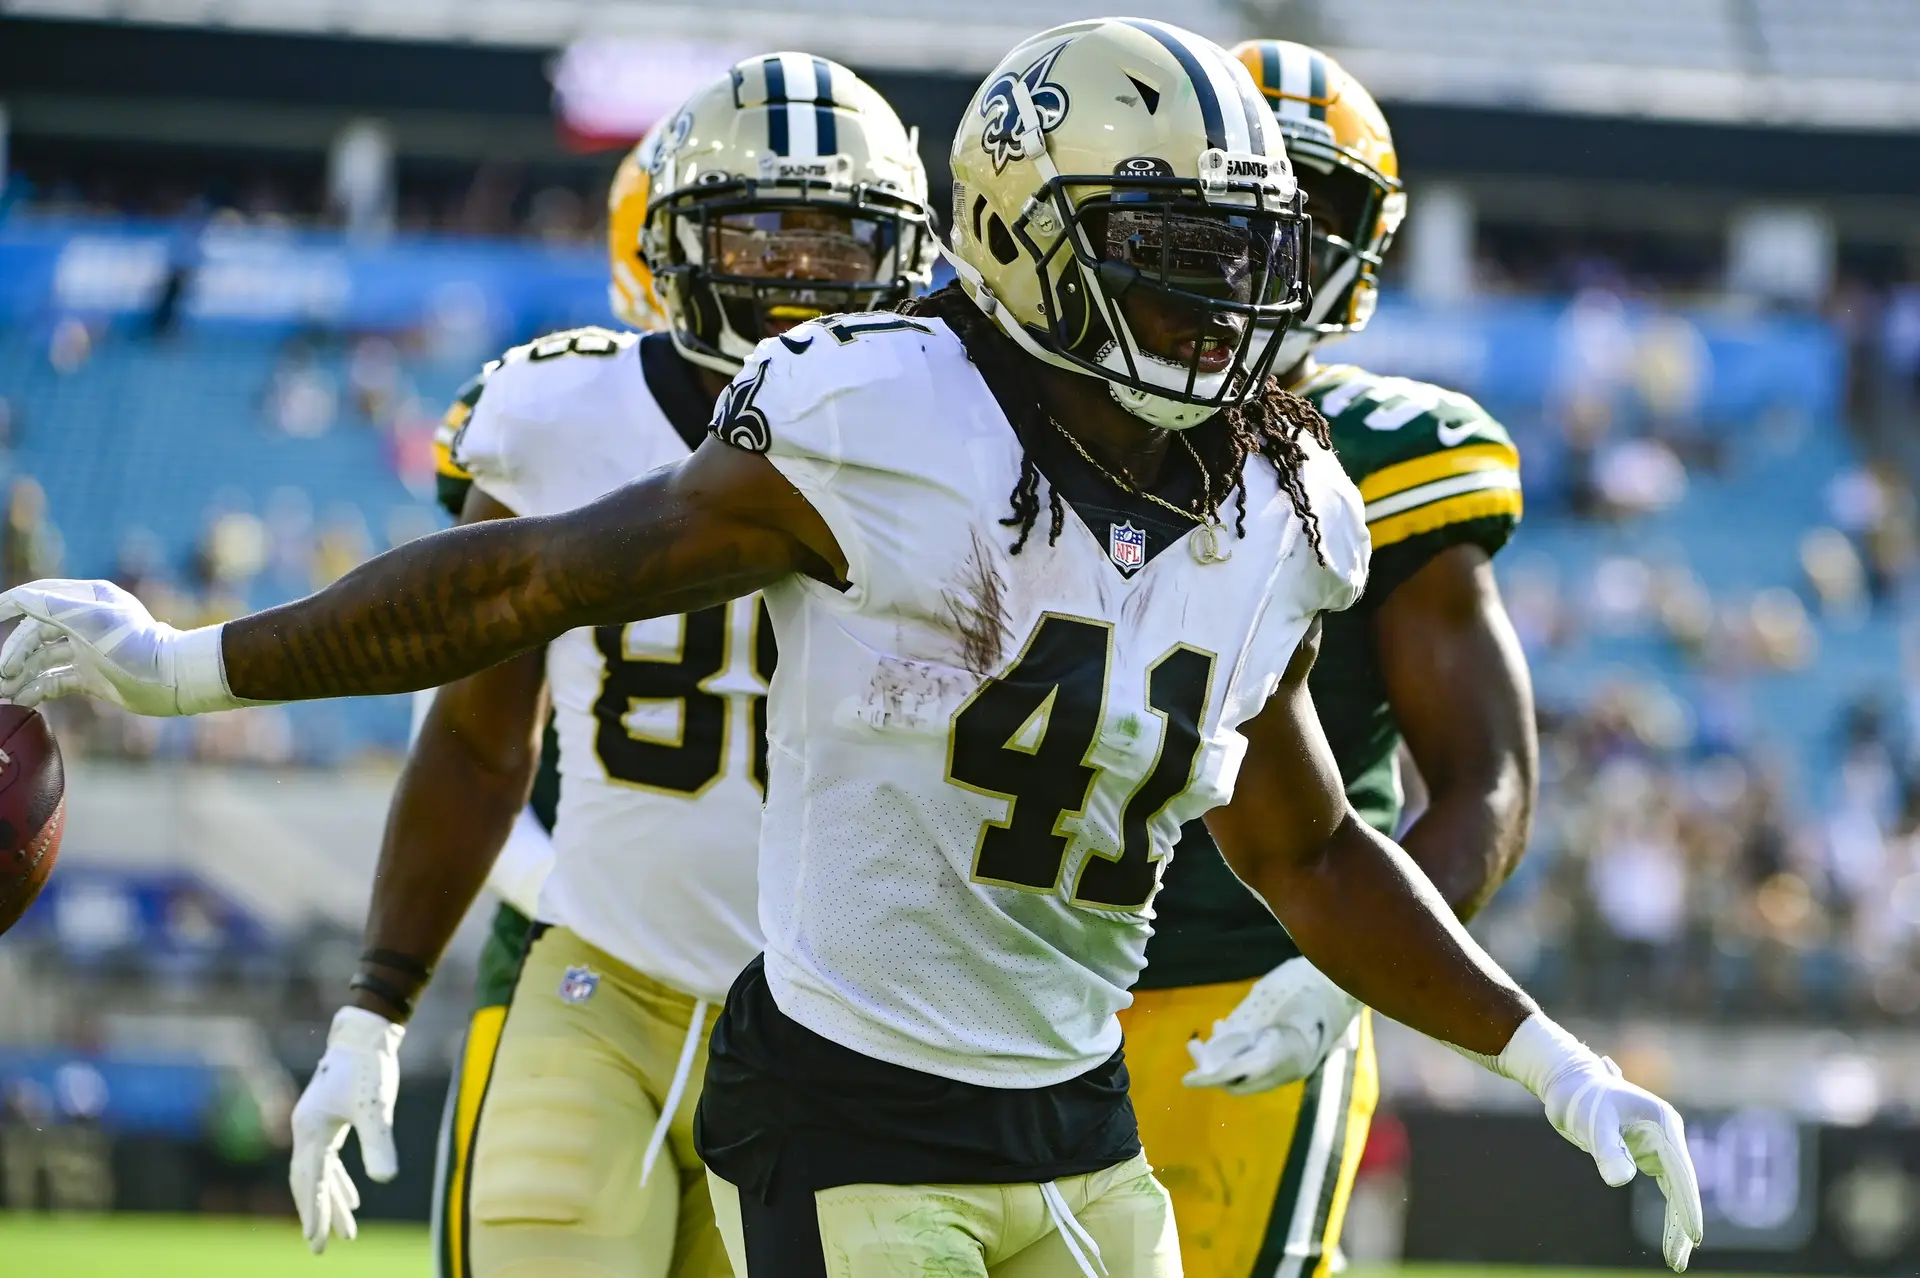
x=200, y=673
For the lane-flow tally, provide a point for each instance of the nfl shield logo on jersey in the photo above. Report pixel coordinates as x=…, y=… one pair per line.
x=1127, y=545
x=578, y=985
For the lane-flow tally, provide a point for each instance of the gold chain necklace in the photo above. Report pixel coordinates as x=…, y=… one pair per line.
x=1206, y=544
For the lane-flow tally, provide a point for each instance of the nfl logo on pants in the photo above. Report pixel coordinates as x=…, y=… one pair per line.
x=578, y=985
x=1127, y=545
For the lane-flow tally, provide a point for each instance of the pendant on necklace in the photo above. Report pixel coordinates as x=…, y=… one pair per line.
x=1207, y=547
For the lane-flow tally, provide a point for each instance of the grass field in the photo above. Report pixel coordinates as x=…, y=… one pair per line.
x=201, y=1247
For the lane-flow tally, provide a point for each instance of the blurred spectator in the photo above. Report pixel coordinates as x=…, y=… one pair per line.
x=70, y=346
x=1638, y=477
x=1834, y=572
x=375, y=383
x=1781, y=636
x=300, y=397
x=1670, y=372
x=1874, y=506
x=30, y=544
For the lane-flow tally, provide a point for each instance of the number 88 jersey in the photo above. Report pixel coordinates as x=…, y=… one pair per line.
x=661, y=723
x=981, y=759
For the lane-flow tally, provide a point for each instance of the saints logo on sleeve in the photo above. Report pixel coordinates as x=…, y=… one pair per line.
x=736, y=420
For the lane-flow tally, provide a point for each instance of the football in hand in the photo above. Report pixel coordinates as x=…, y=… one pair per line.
x=33, y=809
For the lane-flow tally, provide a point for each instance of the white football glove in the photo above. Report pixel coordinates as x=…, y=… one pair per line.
x=1626, y=1128
x=354, y=1085
x=1279, y=1034
x=93, y=637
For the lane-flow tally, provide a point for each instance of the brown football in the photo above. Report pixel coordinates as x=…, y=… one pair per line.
x=33, y=809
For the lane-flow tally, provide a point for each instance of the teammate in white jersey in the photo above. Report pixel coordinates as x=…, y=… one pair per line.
x=987, y=724
x=648, y=911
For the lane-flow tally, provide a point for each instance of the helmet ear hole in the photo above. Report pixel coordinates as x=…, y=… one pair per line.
x=1000, y=242
x=979, y=207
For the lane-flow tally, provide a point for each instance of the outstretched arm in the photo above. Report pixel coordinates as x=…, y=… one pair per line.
x=1457, y=682
x=719, y=525
x=1365, y=915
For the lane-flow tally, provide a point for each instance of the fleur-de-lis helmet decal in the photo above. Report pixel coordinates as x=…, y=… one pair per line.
x=1001, y=135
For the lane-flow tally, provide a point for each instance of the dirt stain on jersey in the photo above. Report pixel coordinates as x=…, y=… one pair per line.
x=913, y=696
x=977, y=610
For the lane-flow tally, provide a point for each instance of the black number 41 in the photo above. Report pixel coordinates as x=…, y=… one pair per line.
x=1028, y=737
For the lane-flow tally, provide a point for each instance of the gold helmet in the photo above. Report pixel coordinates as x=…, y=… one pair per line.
x=786, y=189
x=1123, y=207
x=630, y=289
x=1343, y=150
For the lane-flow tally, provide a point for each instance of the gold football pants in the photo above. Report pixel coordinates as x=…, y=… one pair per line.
x=959, y=1231
x=1259, y=1183
x=546, y=1131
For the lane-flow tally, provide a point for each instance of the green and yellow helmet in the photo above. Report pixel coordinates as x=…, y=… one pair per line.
x=1119, y=168
x=1343, y=152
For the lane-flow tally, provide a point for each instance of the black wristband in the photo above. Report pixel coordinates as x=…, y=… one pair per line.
x=405, y=964
x=386, y=991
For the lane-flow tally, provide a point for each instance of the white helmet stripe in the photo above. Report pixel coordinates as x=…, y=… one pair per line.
x=1234, y=107
x=1296, y=79
x=803, y=134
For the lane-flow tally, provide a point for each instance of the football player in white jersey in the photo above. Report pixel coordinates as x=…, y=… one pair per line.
x=560, y=1161
x=1045, y=558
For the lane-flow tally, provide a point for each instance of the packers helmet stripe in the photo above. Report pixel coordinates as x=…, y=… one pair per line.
x=824, y=132
x=1212, y=119
x=778, y=122
x=1270, y=68
x=1289, y=91
x=1317, y=86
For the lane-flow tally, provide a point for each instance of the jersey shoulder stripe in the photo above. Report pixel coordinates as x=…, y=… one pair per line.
x=1424, y=458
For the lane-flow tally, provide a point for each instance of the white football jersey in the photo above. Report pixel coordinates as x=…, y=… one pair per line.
x=980, y=760
x=661, y=766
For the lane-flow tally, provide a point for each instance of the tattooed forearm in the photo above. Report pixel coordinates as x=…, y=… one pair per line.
x=445, y=606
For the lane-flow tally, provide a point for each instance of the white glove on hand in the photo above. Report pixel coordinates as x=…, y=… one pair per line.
x=1626, y=1128
x=1279, y=1034
x=94, y=637
x=354, y=1085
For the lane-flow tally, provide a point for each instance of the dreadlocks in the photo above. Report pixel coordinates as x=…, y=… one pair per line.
x=1270, y=424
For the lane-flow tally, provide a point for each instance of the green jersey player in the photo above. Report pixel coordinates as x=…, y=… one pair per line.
x=1260, y=1148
